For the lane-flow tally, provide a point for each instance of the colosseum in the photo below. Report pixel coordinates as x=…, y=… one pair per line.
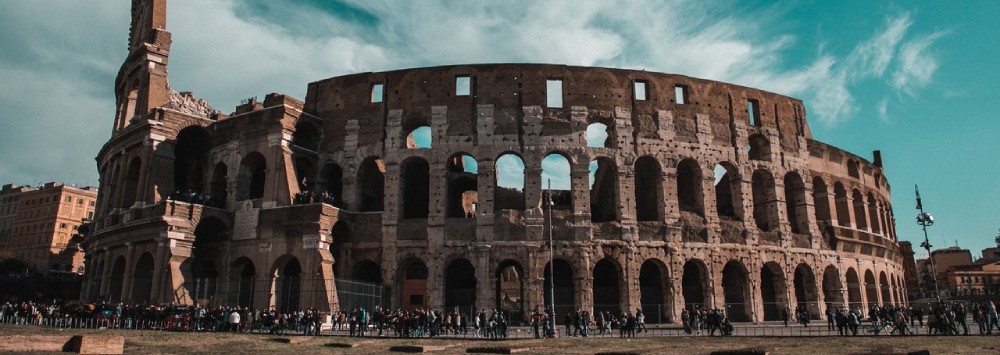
x=511, y=186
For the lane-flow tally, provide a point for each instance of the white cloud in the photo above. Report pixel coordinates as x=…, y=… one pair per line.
x=883, y=110
x=916, y=64
x=872, y=57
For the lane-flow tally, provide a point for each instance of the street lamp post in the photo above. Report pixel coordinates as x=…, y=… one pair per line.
x=552, y=265
x=925, y=219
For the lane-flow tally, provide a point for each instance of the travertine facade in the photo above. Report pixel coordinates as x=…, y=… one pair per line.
x=703, y=193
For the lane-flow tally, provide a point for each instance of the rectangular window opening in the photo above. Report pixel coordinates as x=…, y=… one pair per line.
x=554, y=93
x=680, y=96
x=376, y=93
x=754, y=112
x=463, y=86
x=640, y=91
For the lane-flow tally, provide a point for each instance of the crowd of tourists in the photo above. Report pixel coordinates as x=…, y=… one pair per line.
x=942, y=319
x=708, y=320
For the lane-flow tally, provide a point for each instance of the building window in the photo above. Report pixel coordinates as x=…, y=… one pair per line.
x=554, y=93
x=69, y=198
x=463, y=85
x=639, y=90
x=753, y=109
x=79, y=202
x=91, y=203
x=680, y=94
x=62, y=226
x=377, y=93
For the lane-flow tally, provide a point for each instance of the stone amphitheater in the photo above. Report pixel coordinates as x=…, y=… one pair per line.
x=442, y=188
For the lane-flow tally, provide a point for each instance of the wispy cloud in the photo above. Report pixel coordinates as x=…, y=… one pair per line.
x=883, y=110
x=916, y=63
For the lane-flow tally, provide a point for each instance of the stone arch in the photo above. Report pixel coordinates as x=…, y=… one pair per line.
x=419, y=137
x=821, y=201
x=460, y=286
x=414, y=188
x=287, y=285
x=873, y=217
x=603, y=190
x=191, y=159
x=883, y=283
x=306, y=136
x=142, y=279
x=462, y=186
x=690, y=197
x=243, y=271
x=843, y=209
x=859, y=210
x=765, y=204
x=116, y=280
x=598, y=135
x=252, y=177
x=773, y=291
x=806, y=296
x=758, y=148
x=510, y=286
x=728, y=196
x=131, y=186
x=305, y=172
x=852, y=169
x=833, y=289
x=371, y=185
x=736, y=291
x=655, y=291
x=564, y=282
x=648, y=189
x=340, y=234
x=695, y=285
x=557, y=168
x=795, y=203
x=871, y=288
x=509, y=191
x=853, y=290
x=331, y=184
x=209, y=244
x=607, y=286
x=367, y=271
x=414, y=284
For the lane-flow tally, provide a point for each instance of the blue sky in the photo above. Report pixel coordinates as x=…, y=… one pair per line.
x=914, y=79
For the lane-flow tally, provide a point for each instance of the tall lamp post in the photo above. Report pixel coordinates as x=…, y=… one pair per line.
x=552, y=264
x=925, y=219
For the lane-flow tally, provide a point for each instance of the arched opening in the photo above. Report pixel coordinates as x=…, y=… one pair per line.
x=806, y=297
x=565, y=299
x=759, y=148
x=371, y=185
x=191, y=159
x=510, y=288
x=727, y=191
x=367, y=271
x=859, y=210
x=883, y=283
x=821, y=199
x=556, y=179
x=736, y=289
x=340, y=235
x=694, y=284
x=460, y=286
x=288, y=279
x=773, y=291
x=597, y=135
x=305, y=173
x=852, y=169
x=463, y=186
x=142, y=279
x=219, y=184
x=131, y=182
x=414, y=288
x=306, y=136
x=603, y=190
x=873, y=214
x=871, y=288
x=250, y=182
x=419, y=138
x=607, y=292
x=690, y=197
x=654, y=291
x=116, y=280
x=331, y=184
x=245, y=275
x=415, y=185
x=765, y=204
x=648, y=189
x=209, y=237
x=843, y=209
x=509, y=191
x=853, y=290
x=795, y=203
x=833, y=290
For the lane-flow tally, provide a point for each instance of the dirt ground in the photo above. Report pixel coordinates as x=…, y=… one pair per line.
x=159, y=342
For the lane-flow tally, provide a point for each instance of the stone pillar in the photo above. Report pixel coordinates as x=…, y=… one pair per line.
x=579, y=184
x=486, y=286
x=129, y=273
